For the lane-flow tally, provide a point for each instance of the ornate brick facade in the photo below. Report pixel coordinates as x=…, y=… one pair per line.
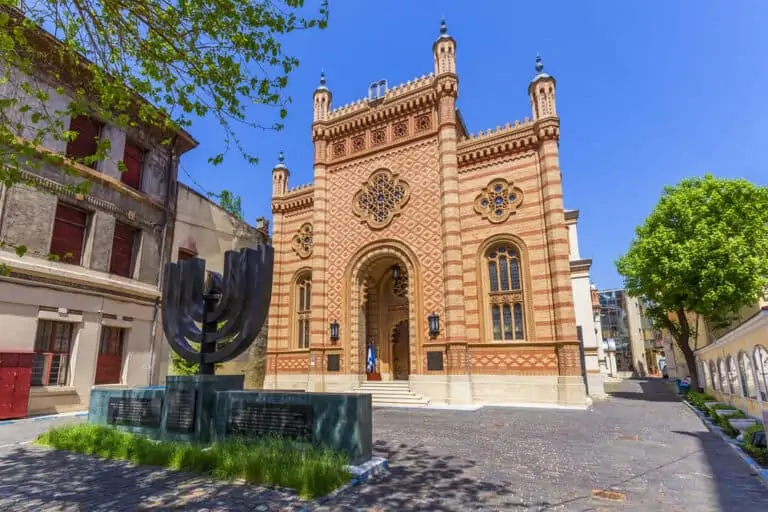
x=410, y=215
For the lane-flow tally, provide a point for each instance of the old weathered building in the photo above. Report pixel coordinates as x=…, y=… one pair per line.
x=85, y=296
x=445, y=253
x=205, y=230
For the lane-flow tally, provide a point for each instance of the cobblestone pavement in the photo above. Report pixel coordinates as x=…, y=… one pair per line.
x=643, y=444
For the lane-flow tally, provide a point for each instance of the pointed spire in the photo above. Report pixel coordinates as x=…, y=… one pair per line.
x=322, y=86
x=539, y=64
x=280, y=161
x=443, y=26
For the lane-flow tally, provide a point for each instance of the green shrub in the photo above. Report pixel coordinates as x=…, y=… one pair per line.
x=722, y=422
x=759, y=453
x=697, y=399
x=312, y=472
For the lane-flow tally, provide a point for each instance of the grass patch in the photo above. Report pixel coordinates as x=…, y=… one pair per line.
x=310, y=471
x=698, y=399
x=725, y=426
x=759, y=453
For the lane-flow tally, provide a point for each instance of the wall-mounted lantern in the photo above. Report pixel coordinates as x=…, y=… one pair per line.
x=434, y=324
x=334, y=330
x=395, y=272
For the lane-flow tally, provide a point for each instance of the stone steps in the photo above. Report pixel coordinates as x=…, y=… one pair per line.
x=392, y=394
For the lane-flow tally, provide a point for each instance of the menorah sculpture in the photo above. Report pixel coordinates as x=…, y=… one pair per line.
x=231, y=308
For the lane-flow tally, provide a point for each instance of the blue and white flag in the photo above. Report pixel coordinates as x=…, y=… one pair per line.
x=371, y=363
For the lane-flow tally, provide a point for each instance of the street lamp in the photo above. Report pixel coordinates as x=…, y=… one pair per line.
x=334, y=330
x=434, y=324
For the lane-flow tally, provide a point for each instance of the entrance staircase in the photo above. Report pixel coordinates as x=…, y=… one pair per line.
x=393, y=393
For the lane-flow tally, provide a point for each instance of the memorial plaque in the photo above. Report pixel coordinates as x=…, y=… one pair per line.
x=257, y=419
x=435, y=361
x=181, y=405
x=334, y=362
x=134, y=411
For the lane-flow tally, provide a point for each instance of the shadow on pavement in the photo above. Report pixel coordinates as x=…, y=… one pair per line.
x=38, y=479
x=736, y=485
x=651, y=390
x=419, y=480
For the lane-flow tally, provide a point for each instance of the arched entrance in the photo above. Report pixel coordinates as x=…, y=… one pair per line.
x=382, y=281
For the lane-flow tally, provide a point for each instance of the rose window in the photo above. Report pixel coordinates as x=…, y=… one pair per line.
x=498, y=200
x=302, y=241
x=381, y=198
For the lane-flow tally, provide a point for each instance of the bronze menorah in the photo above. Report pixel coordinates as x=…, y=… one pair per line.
x=231, y=308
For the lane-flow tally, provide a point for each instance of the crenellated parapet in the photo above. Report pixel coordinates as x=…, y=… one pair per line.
x=393, y=93
x=521, y=136
x=405, y=113
x=296, y=199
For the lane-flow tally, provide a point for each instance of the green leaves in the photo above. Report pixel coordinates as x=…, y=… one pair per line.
x=186, y=58
x=703, y=249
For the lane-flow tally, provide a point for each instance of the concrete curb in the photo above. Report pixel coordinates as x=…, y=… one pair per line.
x=362, y=474
x=78, y=414
x=757, y=470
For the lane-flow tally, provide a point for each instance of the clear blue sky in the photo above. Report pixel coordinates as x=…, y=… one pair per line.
x=647, y=93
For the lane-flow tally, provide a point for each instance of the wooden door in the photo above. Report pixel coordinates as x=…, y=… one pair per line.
x=401, y=354
x=109, y=365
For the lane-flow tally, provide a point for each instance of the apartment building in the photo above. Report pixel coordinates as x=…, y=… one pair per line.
x=85, y=297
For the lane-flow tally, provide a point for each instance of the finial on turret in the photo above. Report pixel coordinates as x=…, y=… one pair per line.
x=322, y=78
x=281, y=157
x=539, y=64
x=443, y=26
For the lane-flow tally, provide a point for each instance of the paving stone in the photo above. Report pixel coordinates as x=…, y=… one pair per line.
x=642, y=443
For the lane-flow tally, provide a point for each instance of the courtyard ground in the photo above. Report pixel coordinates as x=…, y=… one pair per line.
x=643, y=443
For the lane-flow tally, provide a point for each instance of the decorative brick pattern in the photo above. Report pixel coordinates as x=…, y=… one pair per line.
x=514, y=360
x=418, y=227
x=291, y=363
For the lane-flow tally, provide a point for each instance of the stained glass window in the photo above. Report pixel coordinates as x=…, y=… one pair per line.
x=518, y=321
x=496, y=314
x=303, y=310
x=506, y=295
x=507, y=322
x=494, y=276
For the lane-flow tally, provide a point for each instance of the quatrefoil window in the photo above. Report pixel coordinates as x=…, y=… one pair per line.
x=381, y=199
x=498, y=200
x=302, y=241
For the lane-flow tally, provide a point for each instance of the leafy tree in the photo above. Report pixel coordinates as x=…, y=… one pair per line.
x=703, y=249
x=231, y=203
x=150, y=63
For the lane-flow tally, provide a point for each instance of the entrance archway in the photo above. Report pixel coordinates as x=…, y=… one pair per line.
x=381, y=300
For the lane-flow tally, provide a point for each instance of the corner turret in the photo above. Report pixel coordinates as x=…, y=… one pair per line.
x=280, y=174
x=322, y=100
x=542, y=93
x=444, y=51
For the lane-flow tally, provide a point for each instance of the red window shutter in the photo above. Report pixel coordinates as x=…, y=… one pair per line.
x=134, y=163
x=87, y=140
x=122, y=250
x=69, y=234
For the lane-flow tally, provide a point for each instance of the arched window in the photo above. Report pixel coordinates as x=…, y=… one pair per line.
x=733, y=376
x=713, y=376
x=302, y=300
x=702, y=373
x=747, y=377
x=505, y=298
x=760, y=357
x=722, y=376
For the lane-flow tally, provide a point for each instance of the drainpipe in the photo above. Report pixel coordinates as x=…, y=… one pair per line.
x=168, y=219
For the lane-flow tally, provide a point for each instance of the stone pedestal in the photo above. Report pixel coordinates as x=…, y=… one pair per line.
x=198, y=392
